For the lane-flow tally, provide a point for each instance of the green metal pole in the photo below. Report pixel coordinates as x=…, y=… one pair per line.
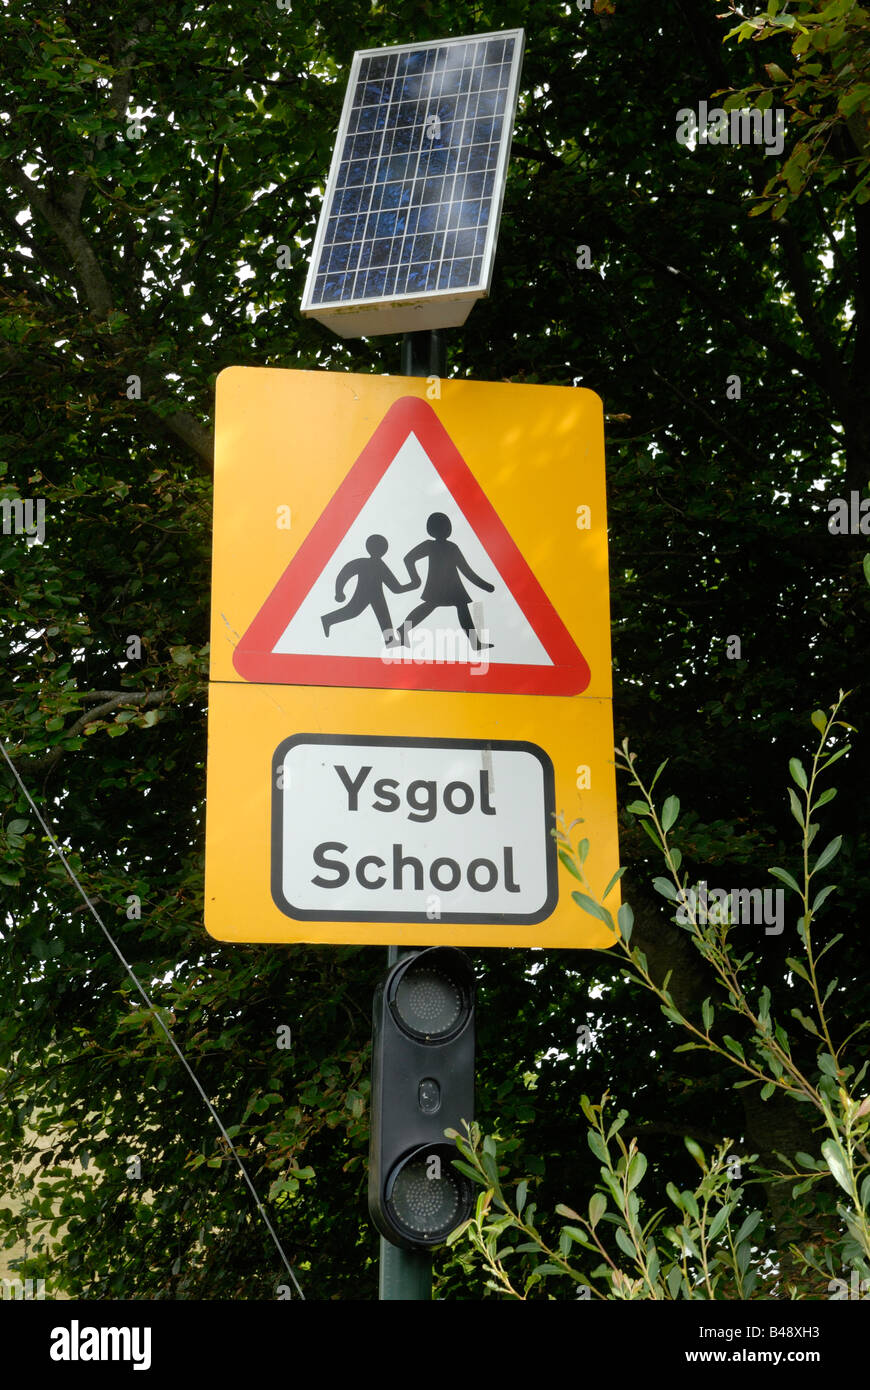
x=404, y=1274
x=407, y=1274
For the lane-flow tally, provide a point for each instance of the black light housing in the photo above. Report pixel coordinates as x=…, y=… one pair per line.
x=422, y=1084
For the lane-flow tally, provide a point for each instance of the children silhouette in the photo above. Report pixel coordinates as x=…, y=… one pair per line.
x=372, y=577
x=443, y=587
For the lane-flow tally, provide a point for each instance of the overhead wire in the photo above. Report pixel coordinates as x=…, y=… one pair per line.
x=158, y=1019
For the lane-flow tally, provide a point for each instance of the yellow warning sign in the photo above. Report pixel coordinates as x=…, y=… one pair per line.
x=410, y=673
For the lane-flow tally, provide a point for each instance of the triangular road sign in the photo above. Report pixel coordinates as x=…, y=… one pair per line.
x=410, y=581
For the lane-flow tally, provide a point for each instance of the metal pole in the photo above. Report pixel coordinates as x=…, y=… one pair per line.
x=407, y=1274
x=404, y=1274
x=424, y=353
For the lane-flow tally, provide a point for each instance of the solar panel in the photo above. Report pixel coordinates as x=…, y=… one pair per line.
x=407, y=232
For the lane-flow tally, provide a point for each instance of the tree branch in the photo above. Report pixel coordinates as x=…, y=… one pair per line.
x=72, y=238
x=188, y=429
x=117, y=699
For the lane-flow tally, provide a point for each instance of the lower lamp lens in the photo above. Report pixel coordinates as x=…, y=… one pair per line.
x=428, y=1198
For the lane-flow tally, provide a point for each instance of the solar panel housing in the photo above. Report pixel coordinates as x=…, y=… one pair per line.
x=407, y=232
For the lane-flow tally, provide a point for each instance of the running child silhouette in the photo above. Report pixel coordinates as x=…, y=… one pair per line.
x=444, y=587
x=372, y=577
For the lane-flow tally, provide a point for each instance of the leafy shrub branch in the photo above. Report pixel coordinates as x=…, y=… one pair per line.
x=706, y=1251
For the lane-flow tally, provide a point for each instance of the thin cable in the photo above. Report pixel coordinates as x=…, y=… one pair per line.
x=184, y=1062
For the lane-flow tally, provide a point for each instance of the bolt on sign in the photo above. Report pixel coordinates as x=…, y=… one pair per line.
x=410, y=682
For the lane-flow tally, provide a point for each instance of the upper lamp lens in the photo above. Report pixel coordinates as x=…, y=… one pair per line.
x=429, y=1002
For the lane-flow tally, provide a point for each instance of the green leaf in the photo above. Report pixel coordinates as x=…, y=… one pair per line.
x=597, y=1208
x=661, y=769
x=795, y=767
x=796, y=808
x=840, y=753
x=719, y=1220
x=666, y=888
x=707, y=1013
x=469, y=1171
x=836, y=1161
x=17, y=827
x=785, y=877
x=490, y=1168
x=828, y=853
x=838, y=936
x=615, y=879
x=653, y=834
x=625, y=920
x=696, y=1151
x=805, y=1022
x=670, y=812
x=798, y=969
x=734, y=1046
x=625, y=1244
x=820, y=897
x=636, y=1170
x=522, y=1190
x=638, y=808
x=768, y=1090
x=592, y=908
x=782, y=1038
x=690, y=1204
x=748, y=1227
x=569, y=864
x=597, y=1145
x=825, y=797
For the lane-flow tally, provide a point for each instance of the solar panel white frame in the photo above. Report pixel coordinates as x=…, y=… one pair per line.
x=417, y=309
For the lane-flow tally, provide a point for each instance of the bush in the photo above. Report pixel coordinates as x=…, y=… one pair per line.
x=708, y=1247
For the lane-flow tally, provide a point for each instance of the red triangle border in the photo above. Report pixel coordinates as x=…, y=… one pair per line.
x=255, y=661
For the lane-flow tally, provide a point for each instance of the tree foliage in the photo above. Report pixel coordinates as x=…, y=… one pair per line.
x=154, y=162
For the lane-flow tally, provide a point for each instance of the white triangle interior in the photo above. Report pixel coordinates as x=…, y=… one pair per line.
x=398, y=509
